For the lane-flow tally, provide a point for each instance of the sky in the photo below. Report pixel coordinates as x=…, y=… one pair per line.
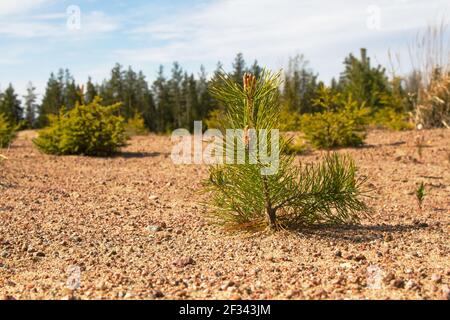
x=90, y=36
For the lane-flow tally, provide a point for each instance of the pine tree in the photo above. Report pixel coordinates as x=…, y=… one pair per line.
x=244, y=196
x=91, y=91
x=52, y=101
x=175, y=83
x=30, y=105
x=238, y=68
x=145, y=102
x=160, y=89
x=112, y=91
x=71, y=92
x=366, y=84
x=300, y=85
x=10, y=106
x=206, y=103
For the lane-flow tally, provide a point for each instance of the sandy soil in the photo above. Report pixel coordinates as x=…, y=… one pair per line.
x=132, y=226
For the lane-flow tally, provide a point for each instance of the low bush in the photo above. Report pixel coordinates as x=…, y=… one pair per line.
x=390, y=119
x=136, y=126
x=340, y=124
x=332, y=129
x=295, y=146
x=7, y=132
x=91, y=129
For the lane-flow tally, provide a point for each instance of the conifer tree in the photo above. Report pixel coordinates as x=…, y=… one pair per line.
x=30, y=105
x=52, y=101
x=91, y=91
x=238, y=68
x=10, y=106
x=366, y=84
x=242, y=196
x=164, y=116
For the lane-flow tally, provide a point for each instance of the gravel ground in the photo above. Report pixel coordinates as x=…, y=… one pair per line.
x=131, y=227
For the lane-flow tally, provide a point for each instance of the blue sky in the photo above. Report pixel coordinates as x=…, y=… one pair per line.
x=35, y=38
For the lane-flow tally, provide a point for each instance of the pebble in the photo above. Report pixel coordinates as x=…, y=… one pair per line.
x=153, y=228
x=398, y=283
x=360, y=257
x=183, y=262
x=436, y=278
x=158, y=294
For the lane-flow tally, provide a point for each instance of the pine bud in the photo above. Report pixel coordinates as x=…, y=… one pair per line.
x=249, y=84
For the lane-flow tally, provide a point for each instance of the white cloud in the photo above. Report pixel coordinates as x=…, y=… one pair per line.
x=55, y=25
x=272, y=30
x=9, y=7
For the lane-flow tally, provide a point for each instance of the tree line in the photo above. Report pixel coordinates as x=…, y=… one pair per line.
x=176, y=101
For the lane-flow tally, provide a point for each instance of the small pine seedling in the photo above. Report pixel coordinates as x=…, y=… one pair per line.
x=242, y=198
x=420, y=194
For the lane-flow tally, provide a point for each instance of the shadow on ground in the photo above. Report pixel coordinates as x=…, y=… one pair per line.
x=131, y=155
x=361, y=233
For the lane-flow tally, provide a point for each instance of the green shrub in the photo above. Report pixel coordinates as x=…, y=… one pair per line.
x=90, y=129
x=390, y=119
x=289, y=120
x=7, y=132
x=215, y=119
x=136, y=126
x=295, y=146
x=342, y=127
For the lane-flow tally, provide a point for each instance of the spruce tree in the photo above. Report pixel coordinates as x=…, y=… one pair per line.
x=91, y=91
x=366, y=84
x=30, y=105
x=52, y=101
x=238, y=68
x=160, y=89
x=242, y=196
x=10, y=106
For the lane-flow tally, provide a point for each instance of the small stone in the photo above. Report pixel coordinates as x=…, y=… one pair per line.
x=40, y=254
x=153, y=197
x=410, y=284
x=153, y=228
x=338, y=254
x=183, y=262
x=436, y=278
x=158, y=294
x=360, y=257
x=398, y=283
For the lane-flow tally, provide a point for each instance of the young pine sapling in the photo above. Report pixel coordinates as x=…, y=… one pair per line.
x=242, y=197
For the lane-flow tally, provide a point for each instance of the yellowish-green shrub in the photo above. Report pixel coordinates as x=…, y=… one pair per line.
x=295, y=145
x=90, y=129
x=136, y=126
x=7, y=132
x=390, y=119
x=215, y=119
x=341, y=124
x=289, y=120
